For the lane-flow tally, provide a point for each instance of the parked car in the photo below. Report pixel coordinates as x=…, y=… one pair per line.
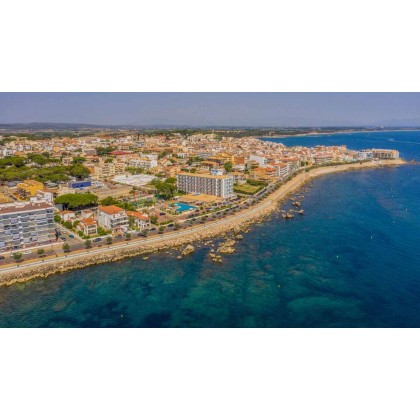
x=71, y=236
x=27, y=252
x=118, y=237
x=1, y=257
x=63, y=238
x=97, y=240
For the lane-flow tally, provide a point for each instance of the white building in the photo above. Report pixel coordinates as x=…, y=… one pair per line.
x=142, y=163
x=113, y=218
x=23, y=225
x=365, y=155
x=219, y=185
x=261, y=160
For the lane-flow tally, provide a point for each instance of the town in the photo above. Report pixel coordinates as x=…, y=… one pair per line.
x=64, y=193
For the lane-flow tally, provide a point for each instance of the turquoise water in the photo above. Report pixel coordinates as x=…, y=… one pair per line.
x=181, y=207
x=351, y=261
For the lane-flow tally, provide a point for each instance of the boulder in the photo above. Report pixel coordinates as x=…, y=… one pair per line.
x=188, y=250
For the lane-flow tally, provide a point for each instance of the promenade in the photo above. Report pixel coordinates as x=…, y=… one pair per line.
x=77, y=259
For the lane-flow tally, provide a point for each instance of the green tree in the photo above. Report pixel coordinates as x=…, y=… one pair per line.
x=17, y=256
x=128, y=236
x=228, y=166
x=74, y=201
x=40, y=252
x=88, y=243
x=68, y=225
x=144, y=233
x=66, y=247
x=161, y=229
x=102, y=151
x=78, y=160
x=79, y=171
x=109, y=240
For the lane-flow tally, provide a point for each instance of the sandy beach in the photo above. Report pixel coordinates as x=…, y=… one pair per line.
x=78, y=259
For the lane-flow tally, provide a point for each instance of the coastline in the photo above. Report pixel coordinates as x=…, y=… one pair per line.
x=331, y=133
x=237, y=222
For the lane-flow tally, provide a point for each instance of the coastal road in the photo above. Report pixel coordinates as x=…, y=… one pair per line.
x=145, y=242
x=243, y=215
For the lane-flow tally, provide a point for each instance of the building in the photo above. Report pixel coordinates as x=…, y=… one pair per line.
x=23, y=225
x=219, y=185
x=28, y=189
x=79, y=184
x=282, y=170
x=261, y=160
x=365, y=155
x=322, y=158
x=140, y=220
x=113, y=218
x=385, y=154
x=88, y=226
x=143, y=163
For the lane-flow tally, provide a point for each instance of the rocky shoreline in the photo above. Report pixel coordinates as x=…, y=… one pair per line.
x=230, y=225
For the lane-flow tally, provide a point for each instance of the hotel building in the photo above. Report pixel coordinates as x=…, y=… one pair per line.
x=24, y=225
x=218, y=185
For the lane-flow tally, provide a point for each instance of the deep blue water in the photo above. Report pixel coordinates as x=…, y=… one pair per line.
x=351, y=261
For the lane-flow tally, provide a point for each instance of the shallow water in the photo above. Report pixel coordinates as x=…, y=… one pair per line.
x=350, y=261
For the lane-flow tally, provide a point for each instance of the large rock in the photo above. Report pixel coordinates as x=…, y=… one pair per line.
x=188, y=250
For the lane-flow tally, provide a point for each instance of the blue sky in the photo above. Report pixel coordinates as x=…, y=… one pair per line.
x=240, y=109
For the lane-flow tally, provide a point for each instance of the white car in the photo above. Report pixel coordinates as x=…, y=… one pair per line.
x=27, y=252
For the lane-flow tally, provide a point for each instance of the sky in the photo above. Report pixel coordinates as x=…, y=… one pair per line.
x=213, y=109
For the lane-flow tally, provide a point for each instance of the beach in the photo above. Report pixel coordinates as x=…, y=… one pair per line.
x=43, y=268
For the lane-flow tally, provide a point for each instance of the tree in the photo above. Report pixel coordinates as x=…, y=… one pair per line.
x=128, y=236
x=17, y=256
x=144, y=233
x=57, y=218
x=78, y=159
x=177, y=226
x=40, y=252
x=66, y=247
x=88, y=243
x=68, y=225
x=74, y=201
x=154, y=220
x=109, y=240
x=228, y=166
x=161, y=229
x=102, y=151
x=79, y=171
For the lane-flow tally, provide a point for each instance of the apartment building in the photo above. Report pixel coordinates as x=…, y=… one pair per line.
x=113, y=218
x=88, y=226
x=364, y=155
x=143, y=163
x=140, y=220
x=385, y=154
x=218, y=185
x=26, y=224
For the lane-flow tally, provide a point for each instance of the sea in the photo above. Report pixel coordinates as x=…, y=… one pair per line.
x=352, y=260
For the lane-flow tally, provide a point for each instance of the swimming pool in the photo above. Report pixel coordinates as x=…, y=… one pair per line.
x=181, y=207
